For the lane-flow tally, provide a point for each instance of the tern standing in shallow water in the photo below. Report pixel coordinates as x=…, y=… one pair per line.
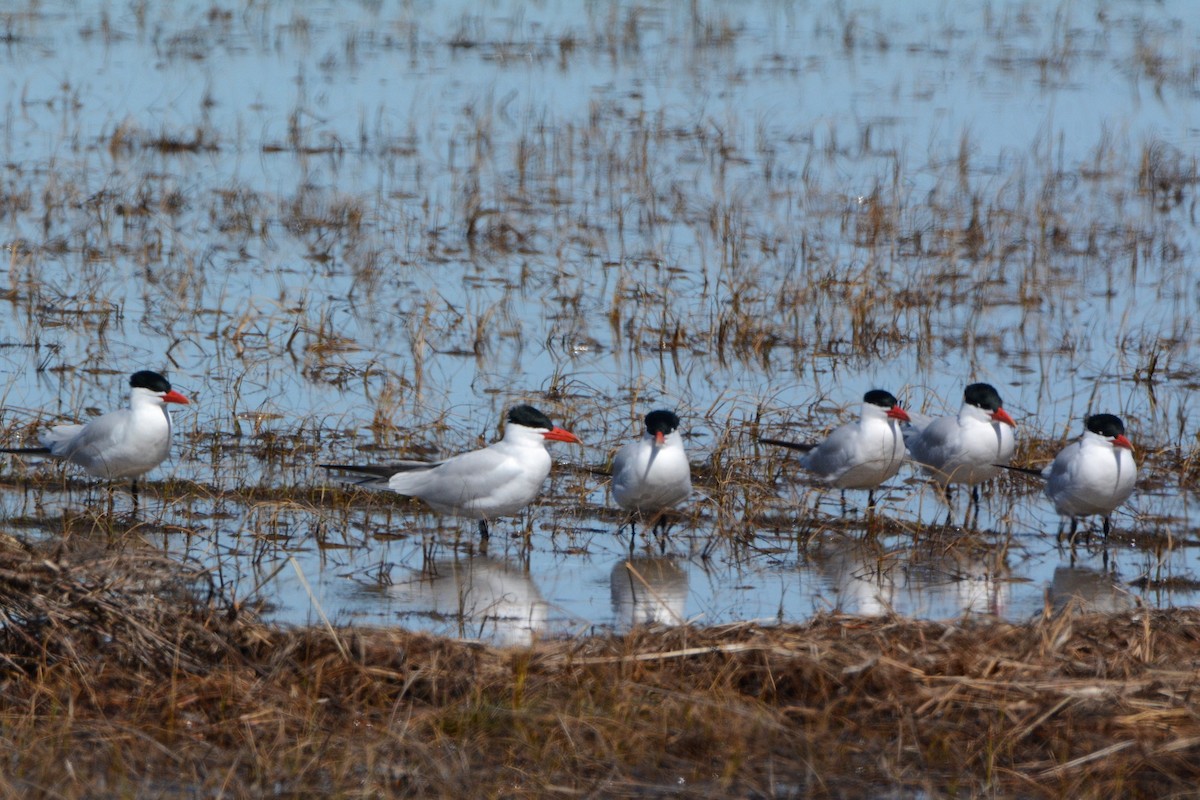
x=969, y=448
x=496, y=481
x=1093, y=474
x=126, y=443
x=861, y=454
x=652, y=474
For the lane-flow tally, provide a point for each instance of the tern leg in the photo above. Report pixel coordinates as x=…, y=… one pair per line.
x=974, y=502
x=630, y=523
x=663, y=520
x=133, y=491
x=948, y=495
x=1074, y=527
x=949, y=507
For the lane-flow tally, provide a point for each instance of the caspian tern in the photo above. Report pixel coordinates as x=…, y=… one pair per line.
x=968, y=448
x=126, y=443
x=652, y=474
x=861, y=454
x=496, y=481
x=1093, y=474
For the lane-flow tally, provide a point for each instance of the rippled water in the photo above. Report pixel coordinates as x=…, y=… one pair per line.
x=359, y=231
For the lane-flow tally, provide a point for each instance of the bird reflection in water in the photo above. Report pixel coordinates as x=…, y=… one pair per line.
x=1088, y=590
x=648, y=590
x=943, y=582
x=485, y=598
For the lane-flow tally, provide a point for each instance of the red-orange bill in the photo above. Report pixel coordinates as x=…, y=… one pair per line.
x=560, y=435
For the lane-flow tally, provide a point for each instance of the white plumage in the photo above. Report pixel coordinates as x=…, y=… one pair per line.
x=860, y=454
x=653, y=474
x=126, y=443
x=495, y=481
x=968, y=447
x=1095, y=473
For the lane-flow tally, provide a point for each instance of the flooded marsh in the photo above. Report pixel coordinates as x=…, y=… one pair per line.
x=410, y=220
x=361, y=232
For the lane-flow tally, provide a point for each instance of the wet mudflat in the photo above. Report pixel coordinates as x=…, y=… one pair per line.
x=361, y=233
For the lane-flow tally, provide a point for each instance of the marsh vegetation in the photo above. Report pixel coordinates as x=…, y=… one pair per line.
x=359, y=232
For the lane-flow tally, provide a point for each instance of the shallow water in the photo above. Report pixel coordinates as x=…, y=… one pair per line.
x=358, y=231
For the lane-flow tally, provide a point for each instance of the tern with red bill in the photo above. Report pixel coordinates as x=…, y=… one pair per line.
x=860, y=454
x=1093, y=474
x=652, y=474
x=496, y=481
x=968, y=448
x=126, y=443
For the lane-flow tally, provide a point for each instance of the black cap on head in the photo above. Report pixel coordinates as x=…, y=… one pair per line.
x=530, y=417
x=878, y=397
x=983, y=395
x=661, y=421
x=146, y=379
x=1108, y=425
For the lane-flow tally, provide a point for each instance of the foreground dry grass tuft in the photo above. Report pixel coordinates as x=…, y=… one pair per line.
x=123, y=677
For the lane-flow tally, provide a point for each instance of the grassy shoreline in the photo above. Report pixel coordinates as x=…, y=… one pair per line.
x=124, y=677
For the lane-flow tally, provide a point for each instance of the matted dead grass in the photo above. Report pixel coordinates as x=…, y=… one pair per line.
x=126, y=675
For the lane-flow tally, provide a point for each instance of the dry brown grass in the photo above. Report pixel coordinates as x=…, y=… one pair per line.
x=121, y=679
